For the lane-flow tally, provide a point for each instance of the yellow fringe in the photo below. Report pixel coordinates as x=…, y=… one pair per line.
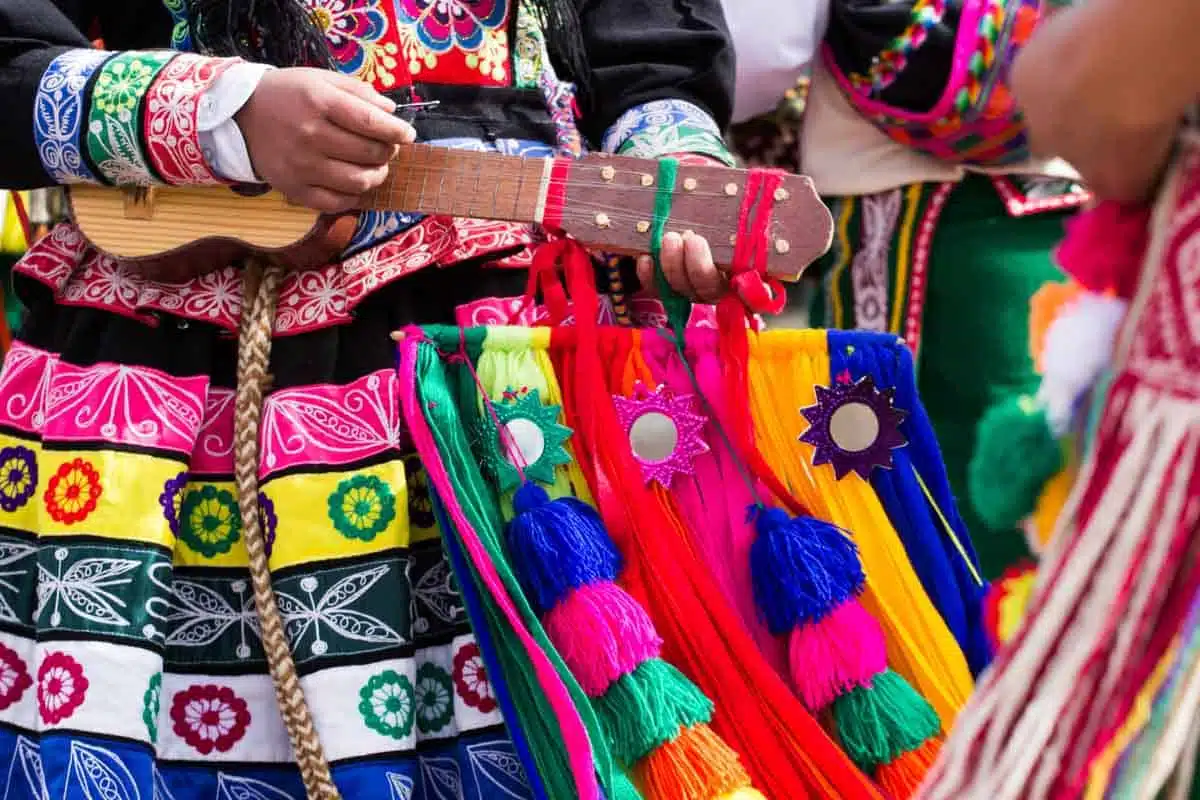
x=512, y=358
x=784, y=367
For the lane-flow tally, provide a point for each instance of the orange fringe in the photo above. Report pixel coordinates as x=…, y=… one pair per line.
x=695, y=765
x=901, y=778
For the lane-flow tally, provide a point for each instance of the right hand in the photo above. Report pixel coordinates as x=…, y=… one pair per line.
x=320, y=137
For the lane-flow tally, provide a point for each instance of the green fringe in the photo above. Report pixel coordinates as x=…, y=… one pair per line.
x=623, y=788
x=647, y=708
x=880, y=722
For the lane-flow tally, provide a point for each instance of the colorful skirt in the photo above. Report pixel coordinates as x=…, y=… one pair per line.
x=131, y=664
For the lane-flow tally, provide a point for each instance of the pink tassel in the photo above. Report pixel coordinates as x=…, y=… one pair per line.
x=1104, y=247
x=602, y=633
x=841, y=652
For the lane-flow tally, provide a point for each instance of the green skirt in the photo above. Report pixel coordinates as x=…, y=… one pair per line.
x=951, y=269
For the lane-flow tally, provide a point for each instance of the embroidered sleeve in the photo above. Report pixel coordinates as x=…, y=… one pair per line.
x=666, y=127
x=646, y=58
x=127, y=118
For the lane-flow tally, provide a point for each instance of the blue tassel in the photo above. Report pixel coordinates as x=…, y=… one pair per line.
x=560, y=545
x=802, y=568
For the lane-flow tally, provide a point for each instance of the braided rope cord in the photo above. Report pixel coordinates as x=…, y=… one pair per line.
x=254, y=352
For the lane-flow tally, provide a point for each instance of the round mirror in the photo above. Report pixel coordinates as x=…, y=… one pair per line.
x=653, y=437
x=524, y=442
x=854, y=427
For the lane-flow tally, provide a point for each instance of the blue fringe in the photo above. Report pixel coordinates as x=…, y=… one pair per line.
x=802, y=568
x=560, y=545
x=945, y=575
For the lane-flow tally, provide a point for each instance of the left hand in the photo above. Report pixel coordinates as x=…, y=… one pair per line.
x=687, y=260
x=687, y=263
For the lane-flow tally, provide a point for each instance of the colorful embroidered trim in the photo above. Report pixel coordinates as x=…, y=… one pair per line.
x=1018, y=203
x=114, y=135
x=976, y=121
x=171, y=108
x=664, y=127
x=892, y=60
x=59, y=111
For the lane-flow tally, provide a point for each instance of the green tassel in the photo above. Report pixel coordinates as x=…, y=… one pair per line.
x=1016, y=453
x=623, y=788
x=647, y=708
x=880, y=722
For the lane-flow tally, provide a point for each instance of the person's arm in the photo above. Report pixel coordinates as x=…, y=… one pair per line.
x=76, y=114
x=662, y=74
x=1105, y=85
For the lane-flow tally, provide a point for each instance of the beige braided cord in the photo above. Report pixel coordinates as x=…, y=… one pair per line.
x=254, y=353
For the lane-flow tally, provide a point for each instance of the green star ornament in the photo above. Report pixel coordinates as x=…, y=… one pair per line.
x=529, y=436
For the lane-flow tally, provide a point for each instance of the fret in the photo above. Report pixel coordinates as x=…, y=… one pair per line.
x=412, y=174
x=418, y=173
x=460, y=199
x=497, y=184
x=399, y=198
x=519, y=194
x=475, y=202
x=438, y=166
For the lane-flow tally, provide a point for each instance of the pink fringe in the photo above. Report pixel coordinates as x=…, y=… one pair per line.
x=715, y=498
x=602, y=633
x=833, y=656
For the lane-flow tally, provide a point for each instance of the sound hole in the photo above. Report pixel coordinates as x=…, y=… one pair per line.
x=250, y=189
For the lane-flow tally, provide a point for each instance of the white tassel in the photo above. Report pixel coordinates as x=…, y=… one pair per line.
x=1077, y=350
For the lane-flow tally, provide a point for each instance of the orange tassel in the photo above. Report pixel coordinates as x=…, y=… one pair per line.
x=695, y=765
x=901, y=778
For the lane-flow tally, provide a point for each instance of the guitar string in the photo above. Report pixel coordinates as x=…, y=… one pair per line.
x=620, y=212
x=516, y=172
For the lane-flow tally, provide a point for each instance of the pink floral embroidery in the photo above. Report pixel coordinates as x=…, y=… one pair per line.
x=14, y=677
x=471, y=679
x=309, y=300
x=209, y=718
x=62, y=687
x=441, y=24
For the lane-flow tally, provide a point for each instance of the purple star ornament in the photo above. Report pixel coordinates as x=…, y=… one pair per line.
x=854, y=427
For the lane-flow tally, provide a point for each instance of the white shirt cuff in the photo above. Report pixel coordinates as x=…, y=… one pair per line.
x=221, y=139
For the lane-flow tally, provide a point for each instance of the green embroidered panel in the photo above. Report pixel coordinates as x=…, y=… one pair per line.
x=114, y=123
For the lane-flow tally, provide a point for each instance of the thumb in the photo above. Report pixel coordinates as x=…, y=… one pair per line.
x=364, y=91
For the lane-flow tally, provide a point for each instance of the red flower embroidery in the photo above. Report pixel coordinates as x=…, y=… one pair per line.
x=73, y=492
x=14, y=677
x=471, y=680
x=61, y=687
x=210, y=717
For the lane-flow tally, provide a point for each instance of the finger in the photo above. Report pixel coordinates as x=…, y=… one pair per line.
x=320, y=199
x=702, y=273
x=339, y=144
x=645, y=274
x=361, y=89
x=671, y=258
x=347, y=179
x=353, y=114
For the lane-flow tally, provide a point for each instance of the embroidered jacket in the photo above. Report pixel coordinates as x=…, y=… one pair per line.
x=136, y=113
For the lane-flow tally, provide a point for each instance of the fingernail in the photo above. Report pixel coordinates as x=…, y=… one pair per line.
x=688, y=234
